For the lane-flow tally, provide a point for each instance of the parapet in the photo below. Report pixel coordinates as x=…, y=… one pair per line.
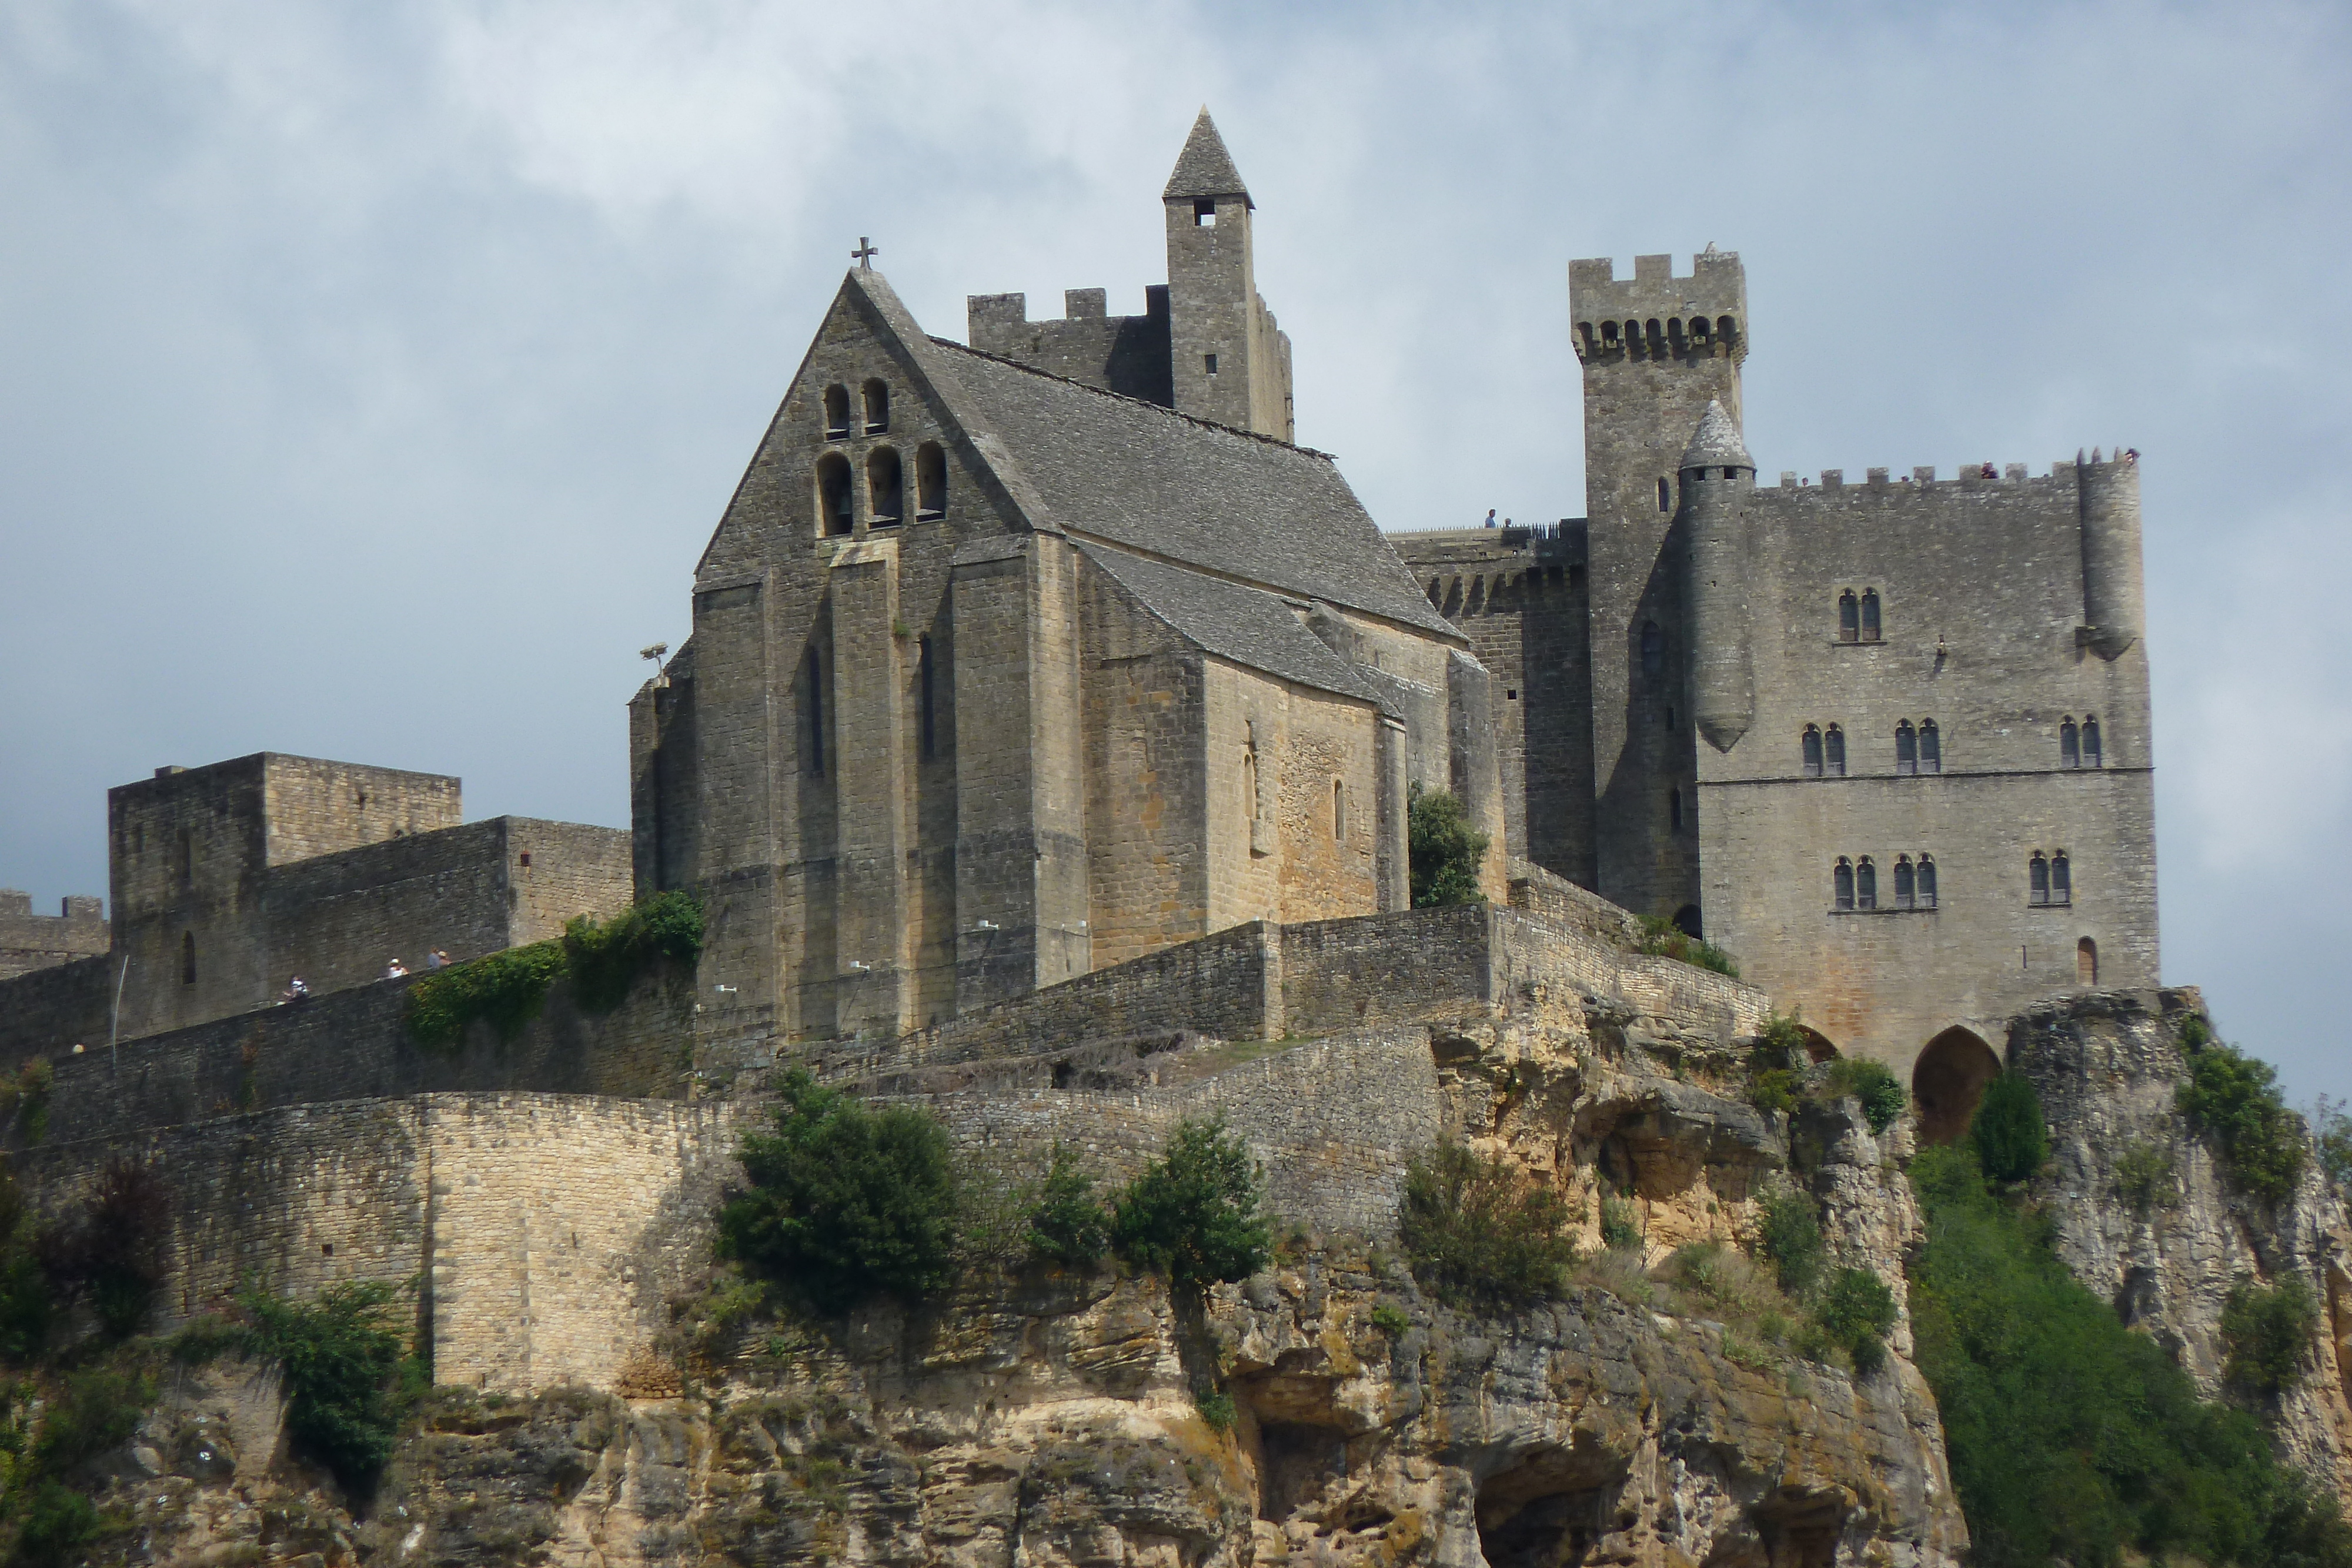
x=1966, y=477
x=30, y=941
x=1655, y=313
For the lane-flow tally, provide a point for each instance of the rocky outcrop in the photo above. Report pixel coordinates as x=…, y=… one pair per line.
x=2143, y=1212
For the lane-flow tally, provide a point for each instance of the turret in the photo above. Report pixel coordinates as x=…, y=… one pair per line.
x=1228, y=361
x=2111, y=603
x=1716, y=474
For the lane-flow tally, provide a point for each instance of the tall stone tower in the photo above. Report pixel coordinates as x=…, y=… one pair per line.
x=1229, y=362
x=1656, y=351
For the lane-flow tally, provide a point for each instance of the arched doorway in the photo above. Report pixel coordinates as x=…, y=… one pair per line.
x=1818, y=1048
x=1949, y=1081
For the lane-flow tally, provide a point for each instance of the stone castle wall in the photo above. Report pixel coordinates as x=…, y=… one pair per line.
x=30, y=941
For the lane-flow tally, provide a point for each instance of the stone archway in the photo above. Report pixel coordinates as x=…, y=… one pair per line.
x=1947, y=1082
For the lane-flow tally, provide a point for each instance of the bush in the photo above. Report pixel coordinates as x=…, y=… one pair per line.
x=2070, y=1437
x=1443, y=850
x=1857, y=1313
x=1873, y=1084
x=2144, y=1177
x=1195, y=1214
x=57, y=1520
x=606, y=959
x=1390, y=1320
x=1620, y=1230
x=1791, y=1239
x=2267, y=1334
x=504, y=989
x=114, y=1257
x=1067, y=1220
x=98, y=1407
x=2235, y=1100
x=2010, y=1139
x=1776, y=1091
x=1662, y=939
x=26, y=1097
x=845, y=1201
x=1479, y=1231
x=340, y=1353
x=2331, y=1139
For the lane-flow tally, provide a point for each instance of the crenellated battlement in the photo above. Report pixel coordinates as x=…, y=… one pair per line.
x=30, y=941
x=1654, y=315
x=2064, y=473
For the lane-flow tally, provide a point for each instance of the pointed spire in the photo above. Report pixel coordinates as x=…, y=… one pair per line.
x=1716, y=443
x=1204, y=168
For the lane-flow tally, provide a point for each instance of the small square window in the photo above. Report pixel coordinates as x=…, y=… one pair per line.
x=1511, y=695
x=1211, y=361
x=526, y=858
x=1204, y=212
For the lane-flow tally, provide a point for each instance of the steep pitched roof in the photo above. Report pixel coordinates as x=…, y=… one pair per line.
x=1247, y=625
x=1150, y=480
x=1716, y=443
x=1204, y=168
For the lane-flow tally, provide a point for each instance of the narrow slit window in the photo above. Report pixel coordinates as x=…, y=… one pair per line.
x=2091, y=757
x=1834, y=752
x=1870, y=615
x=930, y=482
x=1665, y=496
x=1927, y=882
x=1674, y=809
x=1907, y=747
x=2062, y=879
x=877, y=408
x=2037, y=879
x=812, y=704
x=1811, y=751
x=187, y=958
x=2070, y=752
x=1865, y=884
x=1842, y=884
x=1906, y=882
x=1931, y=747
x=836, y=413
x=923, y=679
x=1249, y=783
x=1849, y=617
x=1339, y=812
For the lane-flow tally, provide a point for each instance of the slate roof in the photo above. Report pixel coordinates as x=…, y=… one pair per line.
x=1247, y=625
x=1716, y=443
x=1204, y=168
x=1148, y=480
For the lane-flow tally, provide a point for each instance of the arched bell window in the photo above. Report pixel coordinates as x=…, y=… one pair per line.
x=930, y=482
x=886, y=489
x=833, y=497
x=836, y=413
x=877, y=408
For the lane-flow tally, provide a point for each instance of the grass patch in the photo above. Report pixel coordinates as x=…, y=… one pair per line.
x=1479, y=1230
x=507, y=989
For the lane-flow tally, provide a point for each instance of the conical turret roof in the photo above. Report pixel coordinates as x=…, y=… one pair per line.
x=1204, y=168
x=1716, y=443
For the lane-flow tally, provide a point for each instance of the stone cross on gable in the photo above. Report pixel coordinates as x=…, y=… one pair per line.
x=864, y=254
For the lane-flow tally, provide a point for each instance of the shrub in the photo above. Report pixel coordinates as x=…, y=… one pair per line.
x=1067, y=1220
x=1215, y=1406
x=1873, y=1084
x=96, y=1407
x=2010, y=1139
x=1857, y=1311
x=2070, y=1437
x=1790, y=1237
x=1390, y=1320
x=2267, y=1334
x=1775, y=1091
x=1195, y=1214
x=2331, y=1139
x=2235, y=1100
x=1620, y=1230
x=1443, y=850
x=504, y=989
x=1478, y=1229
x=26, y=1097
x=2144, y=1177
x=845, y=1201
x=606, y=959
x=58, y=1519
x=340, y=1353
x=113, y=1258
x=1662, y=939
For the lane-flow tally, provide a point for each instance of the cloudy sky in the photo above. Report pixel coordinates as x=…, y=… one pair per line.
x=369, y=376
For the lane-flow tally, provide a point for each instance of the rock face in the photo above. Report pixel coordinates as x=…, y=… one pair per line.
x=2145, y=1213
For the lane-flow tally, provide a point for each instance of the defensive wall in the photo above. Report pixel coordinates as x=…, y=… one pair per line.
x=30, y=941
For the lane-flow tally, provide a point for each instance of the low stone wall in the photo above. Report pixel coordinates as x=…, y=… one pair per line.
x=354, y=1045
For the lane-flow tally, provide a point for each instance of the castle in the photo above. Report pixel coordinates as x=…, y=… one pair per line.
x=1019, y=660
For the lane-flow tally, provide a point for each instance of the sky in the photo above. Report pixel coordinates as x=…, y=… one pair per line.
x=372, y=376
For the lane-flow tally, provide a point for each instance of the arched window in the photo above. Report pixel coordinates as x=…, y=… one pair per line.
x=2037, y=879
x=836, y=413
x=1674, y=809
x=1724, y=328
x=1849, y=617
x=2062, y=879
x=833, y=513
x=1654, y=650
x=2087, y=962
x=1907, y=747
x=812, y=708
x=1907, y=884
x=1870, y=615
x=1339, y=812
x=1927, y=883
x=923, y=680
x=1865, y=884
x=1657, y=334
x=1931, y=747
x=1609, y=334
x=1842, y=884
x=187, y=958
x=1834, y=752
x=2091, y=757
x=1698, y=331
x=2070, y=752
x=1665, y=496
x=930, y=482
x=1811, y=749
x=886, y=489
x=877, y=408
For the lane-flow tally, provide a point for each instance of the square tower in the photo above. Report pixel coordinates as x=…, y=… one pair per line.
x=1228, y=360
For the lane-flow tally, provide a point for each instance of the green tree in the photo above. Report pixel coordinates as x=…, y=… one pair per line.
x=1872, y=1082
x=1067, y=1222
x=339, y=1354
x=1857, y=1311
x=1444, y=850
x=845, y=1201
x=1479, y=1229
x=2010, y=1139
x=1196, y=1213
x=2267, y=1332
x=2235, y=1099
